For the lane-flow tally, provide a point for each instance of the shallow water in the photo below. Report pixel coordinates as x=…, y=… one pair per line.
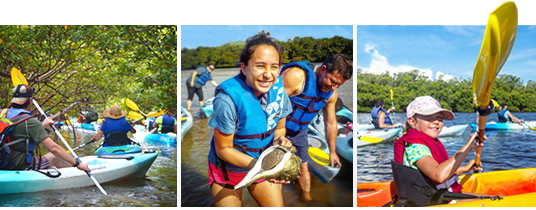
x=194, y=151
x=503, y=150
x=158, y=188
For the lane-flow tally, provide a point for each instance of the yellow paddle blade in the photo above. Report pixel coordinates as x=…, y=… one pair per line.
x=498, y=41
x=17, y=78
x=134, y=115
x=183, y=119
x=495, y=103
x=370, y=139
x=319, y=156
x=132, y=105
x=156, y=114
x=391, y=90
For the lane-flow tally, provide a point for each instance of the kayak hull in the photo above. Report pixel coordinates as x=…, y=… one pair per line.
x=208, y=107
x=118, y=150
x=160, y=138
x=104, y=170
x=319, y=158
x=456, y=130
x=506, y=126
x=187, y=124
x=388, y=135
x=517, y=186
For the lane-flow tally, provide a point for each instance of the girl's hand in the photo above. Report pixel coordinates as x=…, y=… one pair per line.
x=275, y=181
x=474, y=141
x=283, y=141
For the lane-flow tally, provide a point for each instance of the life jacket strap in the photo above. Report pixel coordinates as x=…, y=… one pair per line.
x=256, y=136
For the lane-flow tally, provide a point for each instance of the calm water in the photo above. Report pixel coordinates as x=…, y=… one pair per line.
x=158, y=188
x=502, y=150
x=194, y=150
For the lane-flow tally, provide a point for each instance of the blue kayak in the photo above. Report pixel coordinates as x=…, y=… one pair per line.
x=506, y=126
x=161, y=138
x=116, y=150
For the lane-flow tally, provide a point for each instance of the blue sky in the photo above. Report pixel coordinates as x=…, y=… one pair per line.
x=449, y=50
x=216, y=35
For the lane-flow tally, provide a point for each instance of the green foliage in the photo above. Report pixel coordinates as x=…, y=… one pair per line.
x=455, y=95
x=296, y=49
x=92, y=65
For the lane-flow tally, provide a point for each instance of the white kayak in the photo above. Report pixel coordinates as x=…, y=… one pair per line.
x=187, y=123
x=319, y=163
x=455, y=130
x=377, y=136
x=104, y=170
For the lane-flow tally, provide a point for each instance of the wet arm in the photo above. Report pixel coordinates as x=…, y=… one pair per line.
x=442, y=172
x=293, y=79
x=331, y=128
x=192, y=81
x=224, y=149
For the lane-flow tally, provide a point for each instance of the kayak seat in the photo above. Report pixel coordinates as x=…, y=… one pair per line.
x=415, y=189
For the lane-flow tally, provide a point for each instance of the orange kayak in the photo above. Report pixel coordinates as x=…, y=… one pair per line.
x=518, y=187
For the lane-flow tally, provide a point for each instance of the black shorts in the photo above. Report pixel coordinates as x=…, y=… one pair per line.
x=192, y=90
x=300, y=141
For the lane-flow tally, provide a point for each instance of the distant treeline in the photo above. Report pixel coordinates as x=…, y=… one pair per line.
x=296, y=49
x=455, y=95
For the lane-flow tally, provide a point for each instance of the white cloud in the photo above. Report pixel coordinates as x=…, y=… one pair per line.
x=379, y=65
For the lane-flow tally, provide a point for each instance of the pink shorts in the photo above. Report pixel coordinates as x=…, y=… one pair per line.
x=215, y=175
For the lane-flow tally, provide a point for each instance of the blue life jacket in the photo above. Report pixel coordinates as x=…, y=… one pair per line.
x=309, y=102
x=17, y=116
x=374, y=114
x=503, y=117
x=116, y=134
x=202, y=79
x=168, y=124
x=256, y=125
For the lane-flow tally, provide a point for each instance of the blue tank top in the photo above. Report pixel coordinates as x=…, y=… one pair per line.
x=309, y=102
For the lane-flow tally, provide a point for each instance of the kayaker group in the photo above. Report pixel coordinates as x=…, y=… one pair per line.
x=21, y=141
x=265, y=105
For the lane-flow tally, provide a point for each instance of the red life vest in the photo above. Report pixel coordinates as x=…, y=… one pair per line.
x=439, y=153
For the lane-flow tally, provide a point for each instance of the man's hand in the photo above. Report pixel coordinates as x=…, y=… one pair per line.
x=334, y=160
x=47, y=123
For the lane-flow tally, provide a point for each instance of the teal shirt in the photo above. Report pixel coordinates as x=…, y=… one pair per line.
x=415, y=152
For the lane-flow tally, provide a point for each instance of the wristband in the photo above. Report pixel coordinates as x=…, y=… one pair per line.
x=78, y=161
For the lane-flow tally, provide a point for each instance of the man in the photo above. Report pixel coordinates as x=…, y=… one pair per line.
x=22, y=157
x=312, y=89
x=380, y=117
x=505, y=115
x=196, y=81
x=165, y=123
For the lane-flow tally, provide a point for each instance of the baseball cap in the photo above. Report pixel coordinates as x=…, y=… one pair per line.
x=426, y=105
x=21, y=93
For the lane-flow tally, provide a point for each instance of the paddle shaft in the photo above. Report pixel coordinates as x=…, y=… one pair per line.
x=68, y=147
x=481, y=129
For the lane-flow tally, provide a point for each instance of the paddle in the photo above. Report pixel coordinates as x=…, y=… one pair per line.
x=392, y=100
x=497, y=43
x=17, y=78
x=83, y=145
x=134, y=106
x=525, y=123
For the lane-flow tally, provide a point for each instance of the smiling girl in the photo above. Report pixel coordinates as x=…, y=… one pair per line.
x=249, y=116
x=420, y=148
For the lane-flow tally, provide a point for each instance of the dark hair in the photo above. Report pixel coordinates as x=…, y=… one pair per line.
x=379, y=102
x=339, y=63
x=262, y=38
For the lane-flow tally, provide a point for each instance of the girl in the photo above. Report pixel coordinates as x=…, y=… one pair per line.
x=420, y=148
x=249, y=114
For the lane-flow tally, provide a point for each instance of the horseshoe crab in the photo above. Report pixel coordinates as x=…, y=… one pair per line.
x=275, y=162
